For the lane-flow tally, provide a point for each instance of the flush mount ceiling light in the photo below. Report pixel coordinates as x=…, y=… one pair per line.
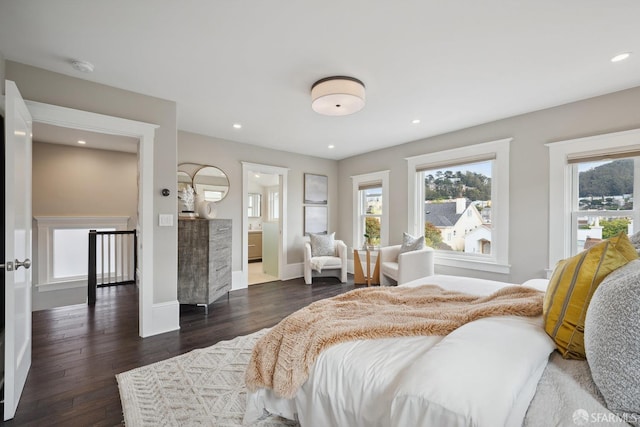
x=337, y=96
x=83, y=66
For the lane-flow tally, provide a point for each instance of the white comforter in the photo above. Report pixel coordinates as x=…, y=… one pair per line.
x=483, y=374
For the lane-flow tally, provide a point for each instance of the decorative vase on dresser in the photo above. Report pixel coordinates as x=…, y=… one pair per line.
x=204, y=260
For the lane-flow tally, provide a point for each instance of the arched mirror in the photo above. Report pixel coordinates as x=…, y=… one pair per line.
x=212, y=183
x=184, y=181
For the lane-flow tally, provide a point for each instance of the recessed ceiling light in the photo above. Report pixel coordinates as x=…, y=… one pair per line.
x=237, y=126
x=81, y=142
x=257, y=175
x=621, y=57
x=415, y=121
x=82, y=66
x=331, y=146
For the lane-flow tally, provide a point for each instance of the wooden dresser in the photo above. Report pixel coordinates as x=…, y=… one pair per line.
x=204, y=260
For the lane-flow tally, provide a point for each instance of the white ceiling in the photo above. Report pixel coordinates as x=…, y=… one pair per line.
x=451, y=64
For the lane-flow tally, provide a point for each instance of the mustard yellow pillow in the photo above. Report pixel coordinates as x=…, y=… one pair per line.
x=623, y=245
x=572, y=284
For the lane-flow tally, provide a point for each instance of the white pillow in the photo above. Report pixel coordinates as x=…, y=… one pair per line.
x=323, y=244
x=410, y=243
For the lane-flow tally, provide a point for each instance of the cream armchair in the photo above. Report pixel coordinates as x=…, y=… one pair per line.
x=404, y=267
x=325, y=266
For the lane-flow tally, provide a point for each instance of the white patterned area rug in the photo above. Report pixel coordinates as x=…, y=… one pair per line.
x=204, y=387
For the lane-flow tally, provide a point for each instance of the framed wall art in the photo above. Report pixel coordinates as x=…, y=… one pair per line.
x=316, y=189
x=315, y=220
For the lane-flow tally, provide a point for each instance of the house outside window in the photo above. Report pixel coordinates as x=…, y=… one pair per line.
x=592, y=191
x=371, y=218
x=460, y=202
x=454, y=197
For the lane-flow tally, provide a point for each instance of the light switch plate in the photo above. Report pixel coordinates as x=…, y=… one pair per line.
x=166, y=220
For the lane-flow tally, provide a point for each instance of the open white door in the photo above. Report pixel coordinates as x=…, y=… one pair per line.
x=17, y=241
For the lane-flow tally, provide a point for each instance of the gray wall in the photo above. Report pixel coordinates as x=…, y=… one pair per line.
x=228, y=156
x=529, y=171
x=52, y=88
x=74, y=181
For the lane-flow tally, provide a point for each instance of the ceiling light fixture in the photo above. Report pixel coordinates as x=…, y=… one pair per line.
x=621, y=57
x=81, y=142
x=82, y=66
x=331, y=147
x=237, y=126
x=415, y=121
x=337, y=96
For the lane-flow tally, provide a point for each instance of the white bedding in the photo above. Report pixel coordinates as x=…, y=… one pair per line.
x=482, y=374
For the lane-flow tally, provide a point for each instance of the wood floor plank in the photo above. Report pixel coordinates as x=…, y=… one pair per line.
x=78, y=349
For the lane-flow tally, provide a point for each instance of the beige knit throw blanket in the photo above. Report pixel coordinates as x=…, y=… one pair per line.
x=281, y=359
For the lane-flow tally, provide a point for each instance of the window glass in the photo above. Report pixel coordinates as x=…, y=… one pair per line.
x=71, y=249
x=457, y=207
x=603, y=200
x=371, y=215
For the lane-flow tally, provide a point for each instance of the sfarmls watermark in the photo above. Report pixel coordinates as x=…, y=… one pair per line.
x=581, y=417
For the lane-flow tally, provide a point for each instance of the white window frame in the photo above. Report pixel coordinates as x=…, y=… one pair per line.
x=562, y=179
x=358, y=180
x=498, y=261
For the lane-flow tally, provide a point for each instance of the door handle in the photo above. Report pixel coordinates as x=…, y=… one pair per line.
x=26, y=264
x=8, y=266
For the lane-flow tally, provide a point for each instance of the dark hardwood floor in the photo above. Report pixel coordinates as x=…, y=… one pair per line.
x=78, y=350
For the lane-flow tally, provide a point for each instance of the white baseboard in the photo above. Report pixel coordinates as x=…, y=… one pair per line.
x=292, y=271
x=238, y=280
x=165, y=317
x=57, y=286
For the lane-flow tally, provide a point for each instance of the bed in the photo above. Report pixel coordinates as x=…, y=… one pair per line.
x=484, y=373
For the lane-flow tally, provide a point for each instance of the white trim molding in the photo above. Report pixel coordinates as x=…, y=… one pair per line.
x=165, y=317
x=145, y=134
x=282, y=221
x=561, y=181
x=498, y=262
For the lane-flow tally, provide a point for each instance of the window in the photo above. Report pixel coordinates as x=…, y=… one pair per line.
x=273, y=203
x=602, y=199
x=370, y=213
x=592, y=190
x=370, y=196
x=70, y=253
x=213, y=195
x=62, y=249
x=459, y=198
x=254, y=205
x=453, y=198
